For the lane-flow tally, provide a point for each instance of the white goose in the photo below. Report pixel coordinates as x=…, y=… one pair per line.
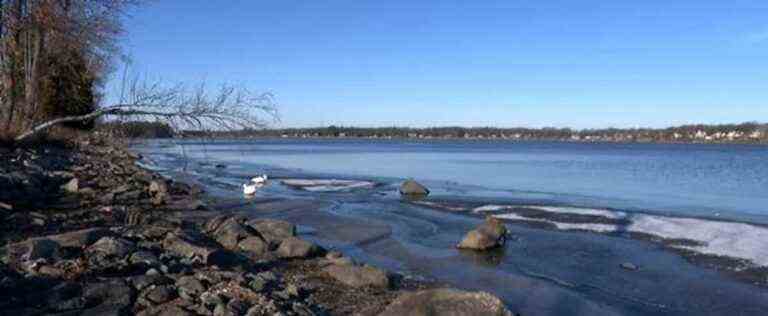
x=260, y=179
x=257, y=182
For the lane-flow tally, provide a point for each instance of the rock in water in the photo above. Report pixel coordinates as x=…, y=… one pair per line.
x=490, y=234
x=411, y=187
x=446, y=302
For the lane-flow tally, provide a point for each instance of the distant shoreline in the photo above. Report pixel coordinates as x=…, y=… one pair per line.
x=243, y=137
x=745, y=133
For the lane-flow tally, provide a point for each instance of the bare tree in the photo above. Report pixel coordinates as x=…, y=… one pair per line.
x=227, y=108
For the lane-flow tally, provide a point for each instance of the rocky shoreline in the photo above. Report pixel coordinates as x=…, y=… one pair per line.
x=85, y=231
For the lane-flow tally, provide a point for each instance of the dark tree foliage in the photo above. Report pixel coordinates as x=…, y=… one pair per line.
x=68, y=89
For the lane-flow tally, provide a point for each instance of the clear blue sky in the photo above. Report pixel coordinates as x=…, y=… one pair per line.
x=578, y=63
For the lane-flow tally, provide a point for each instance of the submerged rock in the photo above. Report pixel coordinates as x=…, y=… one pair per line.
x=411, y=187
x=490, y=234
x=446, y=302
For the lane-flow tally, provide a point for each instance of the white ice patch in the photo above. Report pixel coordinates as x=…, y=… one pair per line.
x=328, y=185
x=491, y=208
x=579, y=211
x=736, y=240
x=441, y=206
x=595, y=227
x=553, y=209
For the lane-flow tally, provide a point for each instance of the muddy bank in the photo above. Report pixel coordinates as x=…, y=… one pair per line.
x=86, y=231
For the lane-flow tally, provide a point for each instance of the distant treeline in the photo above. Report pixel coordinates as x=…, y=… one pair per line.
x=745, y=132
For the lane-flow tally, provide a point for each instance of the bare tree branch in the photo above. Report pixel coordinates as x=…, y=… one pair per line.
x=230, y=108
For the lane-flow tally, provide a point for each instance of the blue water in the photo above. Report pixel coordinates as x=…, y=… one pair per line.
x=691, y=179
x=540, y=271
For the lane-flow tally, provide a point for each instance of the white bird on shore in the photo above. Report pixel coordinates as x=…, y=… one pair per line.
x=256, y=182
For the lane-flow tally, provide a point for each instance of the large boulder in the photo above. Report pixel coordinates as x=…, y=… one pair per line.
x=358, y=276
x=490, y=234
x=272, y=230
x=446, y=302
x=231, y=232
x=411, y=187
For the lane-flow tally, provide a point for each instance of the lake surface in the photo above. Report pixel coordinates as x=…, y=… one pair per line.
x=713, y=195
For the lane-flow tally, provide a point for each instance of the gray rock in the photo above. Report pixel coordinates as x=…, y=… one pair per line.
x=112, y=295
x=189, y=249
x=80, y=238
x=254, y=245
x=160, y=294
x=446, y=302
x=189, y=287
x=112, y=246
x=411, y=187
x=223, y=310
x=158, y=192
x=230, y=232
x=490, y=234
x=141, y=282
x=72, y=186
x=292, y=248
x=358, y=276
x=144, y=257
x=33, y=250
x=273, y=231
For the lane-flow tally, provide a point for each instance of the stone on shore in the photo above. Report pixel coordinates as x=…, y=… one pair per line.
x=254, y=245
x=411, y=187
x=295, y=248
x=192, y=249
x=158, y=192
x=358, y=276
x=273, y=231
x=446, y=302
x=33, y=250
x=112, y=246
x=80, y=238
x=231, y=232
x=490, y=234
